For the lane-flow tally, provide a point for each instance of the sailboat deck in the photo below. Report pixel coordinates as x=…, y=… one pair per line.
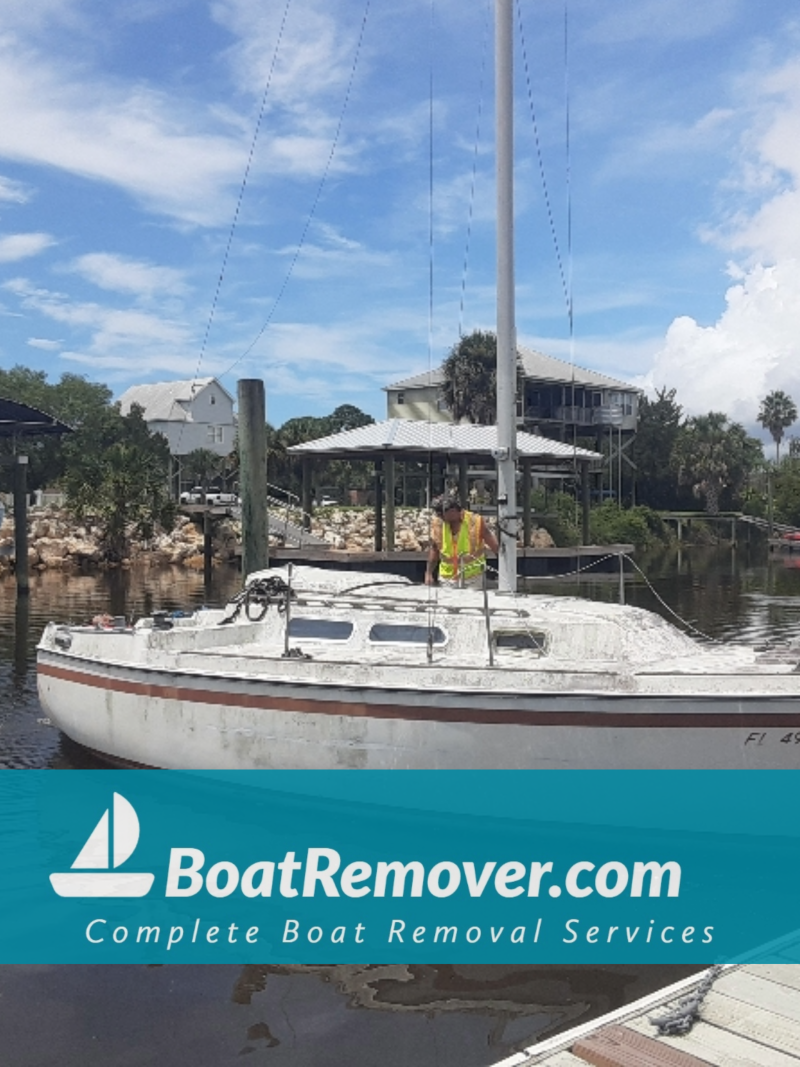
x=750, y=1018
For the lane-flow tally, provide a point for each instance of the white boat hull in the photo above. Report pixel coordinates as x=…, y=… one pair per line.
x=168, y=719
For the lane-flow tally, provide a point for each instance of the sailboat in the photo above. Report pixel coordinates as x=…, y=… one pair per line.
x=327, y=670
x=112, y=842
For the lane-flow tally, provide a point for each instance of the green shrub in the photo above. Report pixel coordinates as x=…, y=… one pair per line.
x=640, y=526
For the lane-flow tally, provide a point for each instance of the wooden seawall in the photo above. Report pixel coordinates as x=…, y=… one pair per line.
x=750, y=1018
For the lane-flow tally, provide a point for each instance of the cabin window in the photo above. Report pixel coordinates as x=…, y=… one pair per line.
x=320, y=629
x=406, y=633
x=521, y=641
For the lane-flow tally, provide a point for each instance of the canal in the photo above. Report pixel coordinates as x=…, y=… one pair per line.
x=326, y=1016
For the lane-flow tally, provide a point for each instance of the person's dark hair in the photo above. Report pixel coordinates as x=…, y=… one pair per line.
x=446, y=502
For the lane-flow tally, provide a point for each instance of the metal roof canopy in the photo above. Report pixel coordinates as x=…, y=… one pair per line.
x=416, y=439
x=20, y=420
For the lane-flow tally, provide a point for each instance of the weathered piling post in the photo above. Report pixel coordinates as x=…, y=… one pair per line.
x=307, y=494
x=527, y=523
x=463, y=481
x=207, y=544
x=389, y=470
x=378, y=505
x=21, y=568
x=21, y=648
x=253, y=474
x=585, y=503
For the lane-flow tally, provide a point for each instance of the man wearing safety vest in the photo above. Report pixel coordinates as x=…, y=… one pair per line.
x=459, y=540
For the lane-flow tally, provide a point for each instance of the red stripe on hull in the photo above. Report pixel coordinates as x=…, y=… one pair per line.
x=749, y=719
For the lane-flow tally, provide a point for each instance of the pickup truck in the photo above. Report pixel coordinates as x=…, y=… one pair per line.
x=193, y=496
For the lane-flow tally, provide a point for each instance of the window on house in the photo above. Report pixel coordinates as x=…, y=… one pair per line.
x=401, y=398
x=213, y=399
x=216, y=434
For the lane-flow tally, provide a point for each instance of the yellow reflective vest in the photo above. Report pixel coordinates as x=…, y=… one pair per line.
x=463, y=556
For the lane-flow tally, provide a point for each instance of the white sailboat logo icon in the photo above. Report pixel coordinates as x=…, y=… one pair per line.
x=110, y=844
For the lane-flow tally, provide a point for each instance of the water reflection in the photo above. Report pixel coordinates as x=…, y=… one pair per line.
x=520, y=1004
x=742, y=594
x=26, y=738
x=22, y=612
x=192, y=1016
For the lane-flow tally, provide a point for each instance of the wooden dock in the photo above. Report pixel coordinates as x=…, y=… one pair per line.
x=749, y=1018
x=588, y=560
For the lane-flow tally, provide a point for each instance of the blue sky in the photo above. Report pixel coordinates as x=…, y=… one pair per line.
x=127, y=130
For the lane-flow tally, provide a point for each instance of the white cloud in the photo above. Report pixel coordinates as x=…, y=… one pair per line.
x=124, y=275
x=752, y=349
x=754, y=346
x=334, y=256
x=663, y=20
x=13, y=192
x=674, y=145
x=16, y=246
x=315, y=54
x=133, y=138
x=128, y=339
x=176, y=155
x=43, y=344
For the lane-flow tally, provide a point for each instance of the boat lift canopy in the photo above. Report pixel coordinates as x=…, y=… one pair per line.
x=416, y=440
x=21, y=420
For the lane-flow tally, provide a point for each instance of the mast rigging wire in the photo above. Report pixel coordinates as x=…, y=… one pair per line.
x=566, y=273
x=317, y=197
x=240, y=198
x=471, y=211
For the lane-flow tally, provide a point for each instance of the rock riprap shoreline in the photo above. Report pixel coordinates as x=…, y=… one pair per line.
x=57, y=540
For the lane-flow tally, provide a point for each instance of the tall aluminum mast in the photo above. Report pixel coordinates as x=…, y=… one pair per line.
x=506, y=326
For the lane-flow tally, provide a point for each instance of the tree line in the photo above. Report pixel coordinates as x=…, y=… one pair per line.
x=115, y=472
x=112, y=468
x=675, y=461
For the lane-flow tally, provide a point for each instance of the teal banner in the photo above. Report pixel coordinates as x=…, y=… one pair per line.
x=573, y=867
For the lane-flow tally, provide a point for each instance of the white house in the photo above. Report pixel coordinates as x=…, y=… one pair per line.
x=190, y=414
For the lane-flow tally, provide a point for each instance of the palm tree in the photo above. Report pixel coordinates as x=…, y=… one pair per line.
x=712, y=454
x=202, y=465
x=469, y=388
x=777, y=411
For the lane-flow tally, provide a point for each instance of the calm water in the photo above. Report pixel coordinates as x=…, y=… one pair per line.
x=323, y=1016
